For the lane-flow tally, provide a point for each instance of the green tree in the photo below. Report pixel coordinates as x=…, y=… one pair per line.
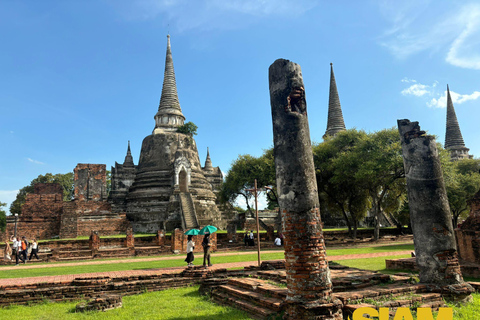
x=462, y=182
x=65, y=180
x=241, y=176
x=188, y=128
x=3, y=217
x=336, y=164
x=381, y=168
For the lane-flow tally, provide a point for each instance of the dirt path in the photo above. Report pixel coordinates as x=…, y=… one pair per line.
x=152, y=271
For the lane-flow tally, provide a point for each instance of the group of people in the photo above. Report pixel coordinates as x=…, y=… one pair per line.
x=249, y=239
x=20, y=249
x=206, y=244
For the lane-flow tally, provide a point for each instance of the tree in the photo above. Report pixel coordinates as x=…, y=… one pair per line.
x=462, y=182
x=65, y=180
x=381, y=169
x=188, y=128
x=336, y=164
x=241, y=176
x=3, y=217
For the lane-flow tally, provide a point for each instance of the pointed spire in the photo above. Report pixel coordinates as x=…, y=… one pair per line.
x=335, y=122
x=169, y=112
x=453, y=136
x=128, y=158
x=208, y=162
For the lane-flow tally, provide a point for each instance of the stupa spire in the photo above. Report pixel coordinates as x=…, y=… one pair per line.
x=335, y=121
x=169, y=113
x=128, y=158
x=208, y=162
x=453, y=136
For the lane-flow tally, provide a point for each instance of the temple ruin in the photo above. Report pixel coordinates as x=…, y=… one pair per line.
x=168, y=188
x=453, y=136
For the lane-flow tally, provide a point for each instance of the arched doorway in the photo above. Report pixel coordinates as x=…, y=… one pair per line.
x=182, y=180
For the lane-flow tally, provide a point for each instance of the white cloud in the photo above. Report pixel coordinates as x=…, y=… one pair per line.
x=183, y=15
x=34, y=161
x=8, y=196
x=408, y=80
x=445, y=27
x=418, y=89
x=457, y=98
x=262, y=202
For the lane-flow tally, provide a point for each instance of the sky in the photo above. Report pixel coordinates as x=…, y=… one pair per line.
x=79, y=79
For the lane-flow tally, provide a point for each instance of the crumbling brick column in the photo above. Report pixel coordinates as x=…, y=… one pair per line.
x=434, y=239
x=308, y=276
x=94, y=241
x=130, y=239
x=232, y=231
x=161, y=238
x=177, y=240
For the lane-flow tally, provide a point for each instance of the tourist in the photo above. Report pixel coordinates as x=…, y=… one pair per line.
x=190, y=248
x=206, y=244
x=278, y=242
x=17, y=249
x=246, y=239
x=7, y=251
x=34, y=248
x=24, y=246
x=252, y=238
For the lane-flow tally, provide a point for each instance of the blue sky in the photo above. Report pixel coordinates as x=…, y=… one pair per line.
x=78, y=79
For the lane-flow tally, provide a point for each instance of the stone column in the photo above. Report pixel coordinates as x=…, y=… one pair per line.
x=434, y=239
x=308, y=276
x=94, y=241
x=130, y=239
x=161, y=238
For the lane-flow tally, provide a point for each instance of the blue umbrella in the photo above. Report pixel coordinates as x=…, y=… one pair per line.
x=192, y=232
x=208, y=229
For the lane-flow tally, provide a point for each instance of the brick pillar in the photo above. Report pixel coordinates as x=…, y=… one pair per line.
x=161, y=238
x=130, y=239
x=177, y=240
x=434, y=239
x=308, y=276
x=232, y=231
x=94, y=241
x=270, y=233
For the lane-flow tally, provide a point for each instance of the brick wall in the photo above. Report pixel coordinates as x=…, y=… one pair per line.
x=90, y=181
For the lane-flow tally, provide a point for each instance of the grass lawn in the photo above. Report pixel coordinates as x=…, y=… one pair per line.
x=64, y=268
x=182, y=303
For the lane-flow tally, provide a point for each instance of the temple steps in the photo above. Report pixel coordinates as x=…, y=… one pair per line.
x=188, y=210
x=250, y=295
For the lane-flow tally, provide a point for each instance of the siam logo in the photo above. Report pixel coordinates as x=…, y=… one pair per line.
x=402, y=314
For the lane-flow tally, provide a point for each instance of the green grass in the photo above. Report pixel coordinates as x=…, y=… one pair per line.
x=65, y=268
x=183, y=303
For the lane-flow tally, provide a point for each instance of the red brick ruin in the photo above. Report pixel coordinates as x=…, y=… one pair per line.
x=308, y=276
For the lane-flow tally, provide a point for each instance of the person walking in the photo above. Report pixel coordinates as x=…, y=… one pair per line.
x=252, y=238
x=17, y=249
x=206, y=244
x=190, y=248
x=24, y=246
x=34, y=247
x=7, y=251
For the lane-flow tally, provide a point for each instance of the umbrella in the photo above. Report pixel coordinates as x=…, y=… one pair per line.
x=208, y=229
x=192, y=232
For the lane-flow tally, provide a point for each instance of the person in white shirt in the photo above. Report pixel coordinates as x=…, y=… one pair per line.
x=190, y=248
x=278, y=241
x=34, y=247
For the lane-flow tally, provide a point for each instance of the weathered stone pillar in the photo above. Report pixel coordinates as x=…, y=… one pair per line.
x=434, y=239
x=130, y=239
x=177, y=241
x=94, y=241
x=232, y=232
x=308, y=276
x=161, y=238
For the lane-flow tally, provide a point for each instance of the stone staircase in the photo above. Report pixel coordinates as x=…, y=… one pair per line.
x=188, y=209
x=258, y=298
x=262, y=295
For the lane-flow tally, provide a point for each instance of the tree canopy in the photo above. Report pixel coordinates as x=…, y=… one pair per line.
x=65, y=180
x=188, y=128
x=3, y=217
